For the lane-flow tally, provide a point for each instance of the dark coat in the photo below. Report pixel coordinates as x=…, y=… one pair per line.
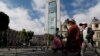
x=73, y=40
x=89, y=36
x=90, y=33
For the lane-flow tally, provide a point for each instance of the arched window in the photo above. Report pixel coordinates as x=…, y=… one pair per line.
x=96, y=25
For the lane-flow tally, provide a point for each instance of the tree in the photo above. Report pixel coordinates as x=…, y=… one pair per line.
x=30, y=34
x=4, y=21
x=25, y=36
x=28, y=37
x=22, y=35
x=49, y=38
x=1, y=39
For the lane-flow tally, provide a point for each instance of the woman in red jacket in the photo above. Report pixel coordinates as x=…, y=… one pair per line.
x=73, y=40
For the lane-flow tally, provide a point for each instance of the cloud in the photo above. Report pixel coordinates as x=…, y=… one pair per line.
x=82, y=4
x=88, y=15
x=20, y=18
x=77, y=3
x=64, y=16
x=39, y=5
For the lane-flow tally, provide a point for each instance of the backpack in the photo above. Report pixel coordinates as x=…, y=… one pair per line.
x=57, y=42
x=90, y=33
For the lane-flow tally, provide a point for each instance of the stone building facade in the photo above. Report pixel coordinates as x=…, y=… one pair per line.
x=95, y=24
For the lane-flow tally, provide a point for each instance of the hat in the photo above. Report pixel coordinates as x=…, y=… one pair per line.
x=83, y=23
x=71, y=20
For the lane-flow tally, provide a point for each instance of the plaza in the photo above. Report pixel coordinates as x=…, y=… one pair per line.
x=31, y=52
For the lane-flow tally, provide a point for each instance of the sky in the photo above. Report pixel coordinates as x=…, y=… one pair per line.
x=30, y=14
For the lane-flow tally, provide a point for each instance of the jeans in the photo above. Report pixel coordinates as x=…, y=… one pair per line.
x=86, y=44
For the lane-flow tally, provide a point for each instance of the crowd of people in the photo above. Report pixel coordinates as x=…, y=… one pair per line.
x=77, y=40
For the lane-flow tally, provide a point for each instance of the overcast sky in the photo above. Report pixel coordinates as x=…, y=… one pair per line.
x=30, y=14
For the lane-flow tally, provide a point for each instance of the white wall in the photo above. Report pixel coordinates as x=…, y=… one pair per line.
x=96, y=36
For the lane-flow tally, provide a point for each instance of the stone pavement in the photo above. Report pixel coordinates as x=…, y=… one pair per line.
x=32, y=52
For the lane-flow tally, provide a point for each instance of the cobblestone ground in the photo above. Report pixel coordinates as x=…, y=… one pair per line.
x=31, y=52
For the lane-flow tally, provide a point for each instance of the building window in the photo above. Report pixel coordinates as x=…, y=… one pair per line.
x=96, y=25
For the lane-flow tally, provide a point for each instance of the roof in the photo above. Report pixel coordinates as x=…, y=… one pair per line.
x=95, y=20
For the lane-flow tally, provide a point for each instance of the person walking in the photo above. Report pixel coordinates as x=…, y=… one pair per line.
x=87, y=38
x=73, y=43
x=57, y=44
